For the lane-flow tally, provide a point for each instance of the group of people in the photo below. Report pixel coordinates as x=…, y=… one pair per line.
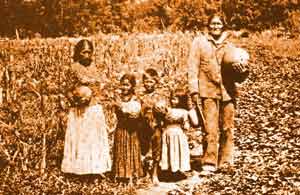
x=150, y=125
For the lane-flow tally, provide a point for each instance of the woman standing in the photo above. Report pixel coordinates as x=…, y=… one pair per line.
x=127, y=152
x=86, y=148
x=83, y=70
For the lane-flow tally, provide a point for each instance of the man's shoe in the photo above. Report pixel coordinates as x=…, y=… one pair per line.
x=226, y=168
x=208, y=170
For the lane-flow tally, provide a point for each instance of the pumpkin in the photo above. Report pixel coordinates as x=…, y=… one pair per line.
x=233, y=55
x=133, y=108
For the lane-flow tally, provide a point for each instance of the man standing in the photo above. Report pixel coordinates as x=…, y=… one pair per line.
x=212, y=86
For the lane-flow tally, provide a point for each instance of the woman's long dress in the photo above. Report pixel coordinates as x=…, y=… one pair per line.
x=175, y=148
x=86, y=149
x=127, y=151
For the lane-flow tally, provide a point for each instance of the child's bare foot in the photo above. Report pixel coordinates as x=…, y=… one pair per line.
x=155, y=180
x=102, y=176
x=130, y=183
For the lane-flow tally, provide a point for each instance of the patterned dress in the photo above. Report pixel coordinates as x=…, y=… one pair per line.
x=86, y=149
x=175, y=148
x=127, y=151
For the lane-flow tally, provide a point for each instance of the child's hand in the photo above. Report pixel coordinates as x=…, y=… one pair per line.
x=161, y=107
x=193, y=117
x=186, y=123
x=195, y=98
x=110, y=130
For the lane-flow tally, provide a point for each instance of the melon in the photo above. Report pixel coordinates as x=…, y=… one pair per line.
x=133, y=108
x=235, y=55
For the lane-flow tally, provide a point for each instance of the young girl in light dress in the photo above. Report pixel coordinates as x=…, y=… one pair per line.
x=175, y=148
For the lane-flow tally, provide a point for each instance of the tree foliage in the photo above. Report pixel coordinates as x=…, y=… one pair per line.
x=259, y=14
x=84, y=17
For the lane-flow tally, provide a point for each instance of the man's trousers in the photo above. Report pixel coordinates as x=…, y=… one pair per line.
x=219, y=125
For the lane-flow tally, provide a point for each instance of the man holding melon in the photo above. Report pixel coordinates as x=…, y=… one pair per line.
x=214, y=67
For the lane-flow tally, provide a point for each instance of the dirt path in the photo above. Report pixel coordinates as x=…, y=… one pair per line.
x=185, y=186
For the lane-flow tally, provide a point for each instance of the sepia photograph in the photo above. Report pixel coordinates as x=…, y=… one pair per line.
x=150, y=97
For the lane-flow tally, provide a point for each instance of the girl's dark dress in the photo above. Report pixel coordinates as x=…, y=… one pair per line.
x=127, y=151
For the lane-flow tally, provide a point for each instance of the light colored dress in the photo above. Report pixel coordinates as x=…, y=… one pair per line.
x=175, y=147
x=86, y=149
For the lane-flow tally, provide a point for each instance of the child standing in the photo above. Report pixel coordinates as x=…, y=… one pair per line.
x=175, y=149
x=151, y=136
x=127, y=152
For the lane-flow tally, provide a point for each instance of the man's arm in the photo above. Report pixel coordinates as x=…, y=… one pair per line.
x=193, y=66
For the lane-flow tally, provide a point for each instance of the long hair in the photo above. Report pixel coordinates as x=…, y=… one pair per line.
x=83, y=44
x=221, y=17
x=182, y=96
x=132, y=80
x=151, y=72
x=129, y=77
